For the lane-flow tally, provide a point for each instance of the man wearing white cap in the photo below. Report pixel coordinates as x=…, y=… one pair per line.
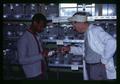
x=99, y=48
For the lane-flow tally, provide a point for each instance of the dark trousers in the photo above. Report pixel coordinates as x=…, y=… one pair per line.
x=96, y=71
x=39, y=77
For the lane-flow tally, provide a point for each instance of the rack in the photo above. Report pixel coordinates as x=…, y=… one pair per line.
x=74, y=66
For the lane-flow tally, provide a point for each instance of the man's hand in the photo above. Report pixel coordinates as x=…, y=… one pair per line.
x=65, y=49
x=45, y=53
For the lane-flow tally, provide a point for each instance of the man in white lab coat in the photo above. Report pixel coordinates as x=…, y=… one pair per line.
x=99, y=48
x=30, y=50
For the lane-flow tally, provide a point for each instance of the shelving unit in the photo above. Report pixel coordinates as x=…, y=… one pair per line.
x=52, y=63
x=16, y=19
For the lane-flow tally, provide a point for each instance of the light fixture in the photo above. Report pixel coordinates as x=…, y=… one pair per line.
x=16, y=4
x=17, y=16
x=4, y=5
x=4, y=16
x=32, y=5
x=51, y=4
x=11, y=6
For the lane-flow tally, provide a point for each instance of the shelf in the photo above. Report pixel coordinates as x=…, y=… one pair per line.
x=7, y=20
x=90, y=18
x=64, y=41
x=64, y=65
x=11, y=38
x=18, y=20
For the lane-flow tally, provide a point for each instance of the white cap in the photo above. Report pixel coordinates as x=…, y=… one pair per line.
x=78, y=18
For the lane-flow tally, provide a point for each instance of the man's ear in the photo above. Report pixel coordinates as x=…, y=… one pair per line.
x=35, y=23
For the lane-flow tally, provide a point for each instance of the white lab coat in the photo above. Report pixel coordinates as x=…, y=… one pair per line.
x=105, y=45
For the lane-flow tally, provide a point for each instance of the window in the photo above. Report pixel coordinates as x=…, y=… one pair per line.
x=68, y=9
x=109, y=10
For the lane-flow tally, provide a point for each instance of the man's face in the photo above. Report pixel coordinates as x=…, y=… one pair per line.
x=39, y=26
x=80, y=27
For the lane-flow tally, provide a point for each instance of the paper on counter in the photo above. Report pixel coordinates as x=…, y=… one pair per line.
x=74, y=67
x=59, y=42
x=51, y=53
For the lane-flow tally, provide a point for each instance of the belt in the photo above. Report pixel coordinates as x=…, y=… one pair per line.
x=93, y=63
